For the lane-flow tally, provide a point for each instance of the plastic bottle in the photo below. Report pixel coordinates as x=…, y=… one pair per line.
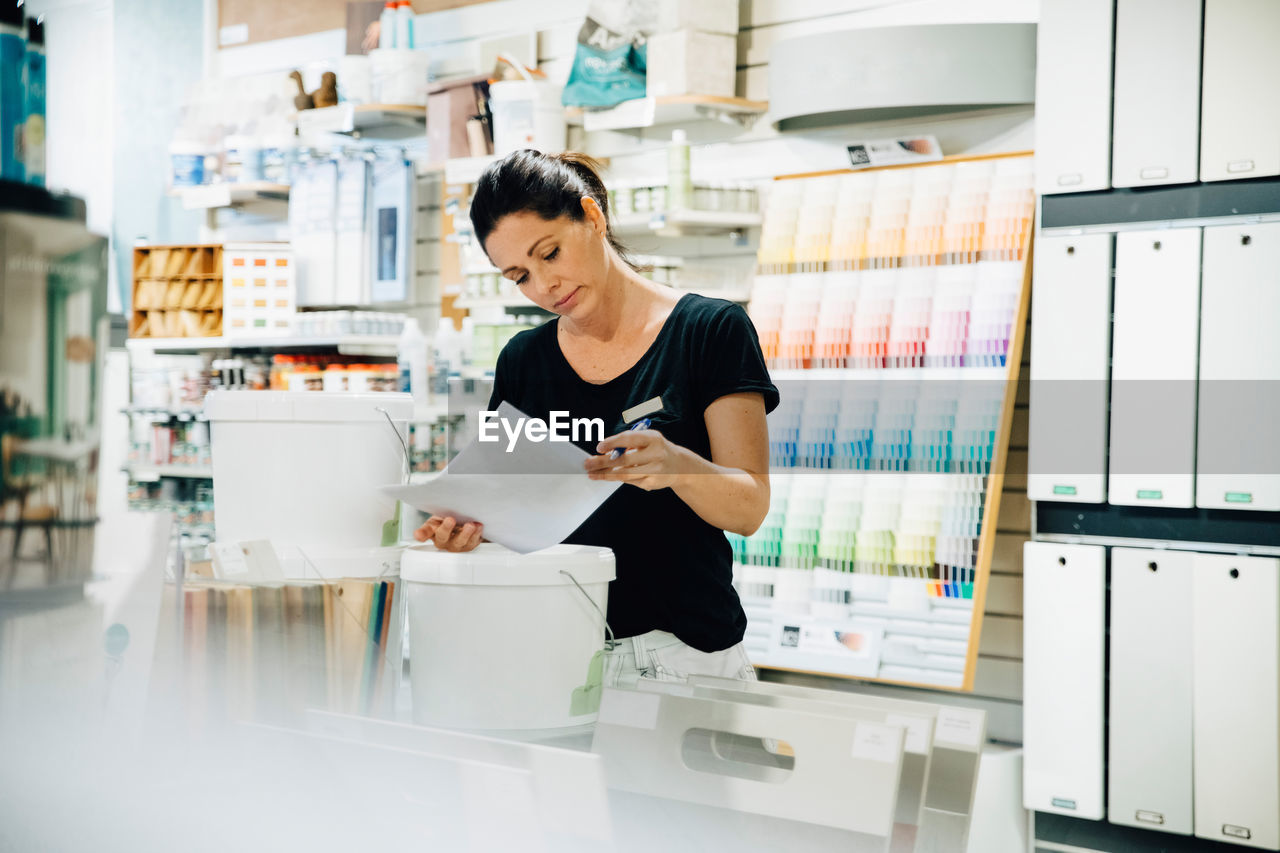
x=33, y=121
x=387, y=25
x=442, y=353
x=466, y=342
x=679, y=184
x=404, y=25
x=13, y=57
x=411, y=361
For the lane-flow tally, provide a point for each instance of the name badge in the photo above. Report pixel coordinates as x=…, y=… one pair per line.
x=638, y=411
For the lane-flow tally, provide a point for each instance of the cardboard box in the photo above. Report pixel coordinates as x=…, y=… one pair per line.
x=689, y=62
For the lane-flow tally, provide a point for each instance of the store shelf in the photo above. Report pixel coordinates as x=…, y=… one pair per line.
x=382, y=121
x=162, y=411
x=151, y=473
x=515, y=300
x=370, y=345
x=874, y=374
x=741, y=296
x=685, y=222
x=671, y=110
x=1183, y=205
x=466, y=170
x=230, y=194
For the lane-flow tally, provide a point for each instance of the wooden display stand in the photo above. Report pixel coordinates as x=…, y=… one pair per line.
x=864, y=254
x=177, y=292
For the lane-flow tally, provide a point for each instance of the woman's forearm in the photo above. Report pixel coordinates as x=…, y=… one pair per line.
x=729, y=498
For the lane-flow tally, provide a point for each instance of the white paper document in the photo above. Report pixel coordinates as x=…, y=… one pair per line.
x=528, y=495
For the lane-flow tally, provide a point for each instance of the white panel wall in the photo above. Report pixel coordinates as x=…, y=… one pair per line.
x=1073, y=95
x=1236, y=708
x=1064, y=637
x=1071, y=314
x=1237, y=455
x=1156, y=121
x=1149, y=714
x=1240, y=117
x=1153, y=368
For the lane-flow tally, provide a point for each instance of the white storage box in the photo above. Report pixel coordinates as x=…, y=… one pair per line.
x=399, y=76
x=527, y=114
x=709, y=16
x=303, y=470
x=688, y=62
x=505, y=641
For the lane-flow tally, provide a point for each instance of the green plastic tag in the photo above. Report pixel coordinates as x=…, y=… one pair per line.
x=586, y=699
x=391, y=529
x=1150, y=494
x=1064, y=490
x=1239, y=497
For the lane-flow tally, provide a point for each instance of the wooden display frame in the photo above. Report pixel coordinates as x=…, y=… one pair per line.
x=994, y=487
x=176, y=292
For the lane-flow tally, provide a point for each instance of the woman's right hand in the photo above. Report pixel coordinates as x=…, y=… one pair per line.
x=446, y=535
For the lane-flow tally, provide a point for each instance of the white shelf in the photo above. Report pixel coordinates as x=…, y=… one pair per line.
x=383, y=121
x=906, y=374
x=740, y=296
x=682, y=222
x=671, y=110
x=151, y=473
x=371, y=345
x=515, y=300
x=229, y=194
x=466, y=170
x=180, y=414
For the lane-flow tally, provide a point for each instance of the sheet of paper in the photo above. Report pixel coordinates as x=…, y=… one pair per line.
x=528, y=497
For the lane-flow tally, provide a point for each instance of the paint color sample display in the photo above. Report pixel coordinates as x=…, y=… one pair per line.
x=885, y=302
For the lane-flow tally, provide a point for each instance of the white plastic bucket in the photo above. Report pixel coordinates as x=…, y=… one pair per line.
x=526, y=114
x=303, y=468
x=500, y=640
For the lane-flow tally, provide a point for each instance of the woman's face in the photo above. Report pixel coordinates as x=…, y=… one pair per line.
x=559, y=264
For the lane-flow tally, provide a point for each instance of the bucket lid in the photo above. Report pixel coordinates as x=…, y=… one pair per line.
x=331, y=406
x=491, y=564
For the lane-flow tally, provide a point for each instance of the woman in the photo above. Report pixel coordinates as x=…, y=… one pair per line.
x=621, y=342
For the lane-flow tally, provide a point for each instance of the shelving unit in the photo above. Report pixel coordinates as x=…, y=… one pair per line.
x=385, y=121
x=151, y=473
x=466, y=170
x=642, y=113
x=686, y=222
x=382, y=346
x=231, y=194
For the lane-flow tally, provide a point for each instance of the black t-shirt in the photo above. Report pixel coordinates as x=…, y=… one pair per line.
x=674, y=570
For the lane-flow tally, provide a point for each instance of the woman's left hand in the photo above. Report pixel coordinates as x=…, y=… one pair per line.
x=648, y=461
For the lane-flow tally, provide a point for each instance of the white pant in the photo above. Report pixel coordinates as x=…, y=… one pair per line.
x=663, y=657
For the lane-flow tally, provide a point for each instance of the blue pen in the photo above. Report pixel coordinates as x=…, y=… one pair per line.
x=643, y=423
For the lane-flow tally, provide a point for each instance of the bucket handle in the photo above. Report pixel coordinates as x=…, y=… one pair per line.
x=521, y=70
x=612, y=640
x=408, y=460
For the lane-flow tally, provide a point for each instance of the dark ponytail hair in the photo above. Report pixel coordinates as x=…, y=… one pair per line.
x=550, y=185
